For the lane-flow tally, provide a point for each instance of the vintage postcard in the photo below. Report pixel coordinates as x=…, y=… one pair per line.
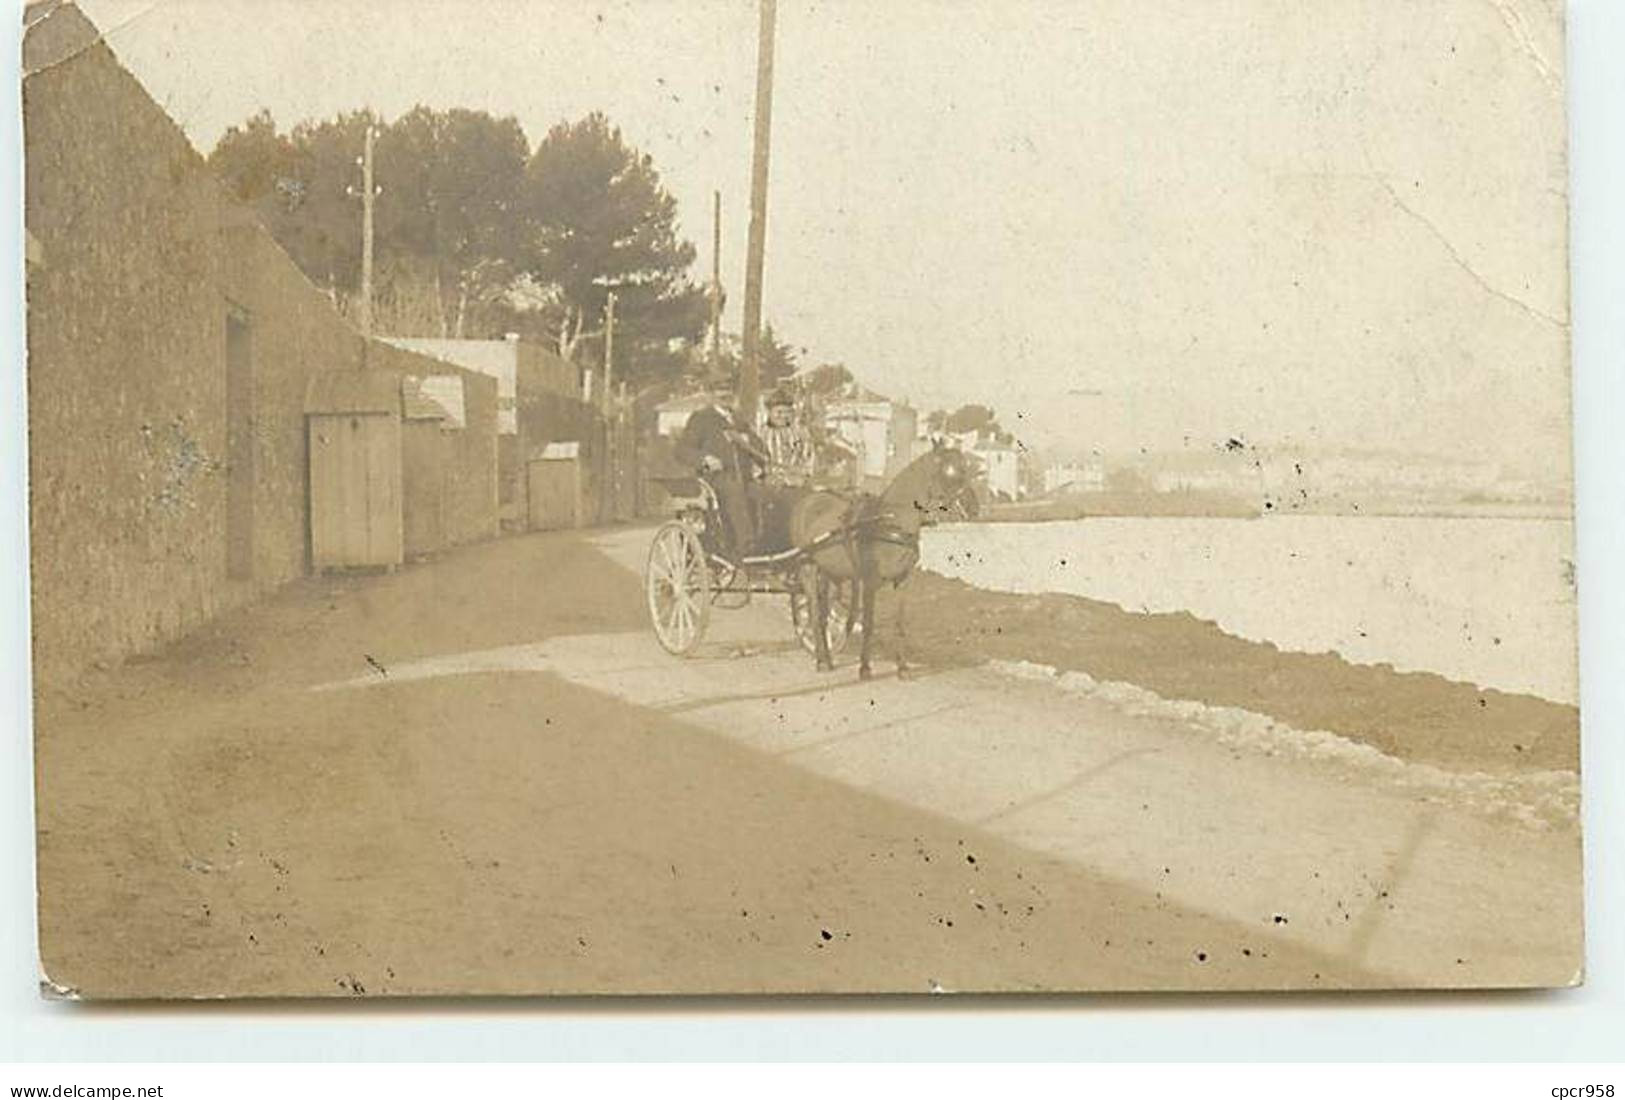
x=713, y=497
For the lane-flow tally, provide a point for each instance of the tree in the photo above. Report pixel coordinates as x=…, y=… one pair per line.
x=474, y=235
x=777, y=362
x=972, y=418
x=258, y=165
x=296, y=183
x=827, y=379
x=448, y=221
x=600, y=219
x=453, y=222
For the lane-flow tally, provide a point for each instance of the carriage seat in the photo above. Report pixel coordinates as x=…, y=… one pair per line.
x=682, y=490
x=776, y=502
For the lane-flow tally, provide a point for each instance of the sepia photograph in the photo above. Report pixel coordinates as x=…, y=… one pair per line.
x=690, y=497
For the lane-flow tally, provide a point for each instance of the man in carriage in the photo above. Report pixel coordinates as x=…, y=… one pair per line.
x=828, y=551
x=729, y=456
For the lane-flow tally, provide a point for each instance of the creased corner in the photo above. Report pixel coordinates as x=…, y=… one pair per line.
x=1514, y=22
x=1455, y=255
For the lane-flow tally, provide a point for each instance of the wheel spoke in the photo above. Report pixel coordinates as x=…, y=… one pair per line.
x=677, y=580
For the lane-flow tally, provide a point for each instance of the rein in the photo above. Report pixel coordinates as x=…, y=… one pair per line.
x=877, y=528
x=871, y=519
x=893, y=533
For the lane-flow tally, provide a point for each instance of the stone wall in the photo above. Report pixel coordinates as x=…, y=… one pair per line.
x=127, y=440
x=170, y=347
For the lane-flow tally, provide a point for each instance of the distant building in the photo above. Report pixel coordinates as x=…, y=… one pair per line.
x=1377, y=474
x=439, y=397
x=880, y=431
x=1074, y=477
x=1001, y=465
x=514, y=363
x=539, y=401
x=670, y=416
x=1203, y=481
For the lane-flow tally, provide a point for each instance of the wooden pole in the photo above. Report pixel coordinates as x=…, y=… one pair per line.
x=367, y=195
x=749, y=382
x=609, y=351
x=716, y=280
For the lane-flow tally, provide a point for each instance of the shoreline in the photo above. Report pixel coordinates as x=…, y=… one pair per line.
x=1418, y=717
x=1178, y=506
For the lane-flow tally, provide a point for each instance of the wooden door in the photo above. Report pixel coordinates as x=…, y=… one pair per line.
x=355, y=490
x=555, y=493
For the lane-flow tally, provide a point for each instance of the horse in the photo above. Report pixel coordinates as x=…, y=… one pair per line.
x=872, y=540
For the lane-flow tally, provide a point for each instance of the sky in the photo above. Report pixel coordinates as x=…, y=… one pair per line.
x=1121, y=223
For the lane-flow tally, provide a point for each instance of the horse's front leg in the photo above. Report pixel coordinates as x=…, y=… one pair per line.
x=868, y=584
x=903, y=670
x=820, y=620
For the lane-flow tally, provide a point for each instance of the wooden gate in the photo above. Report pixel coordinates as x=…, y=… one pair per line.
x=555, y=488
x=355, y=490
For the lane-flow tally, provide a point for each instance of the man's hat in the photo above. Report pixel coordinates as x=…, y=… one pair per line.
x=781, y=398
x=715, y=374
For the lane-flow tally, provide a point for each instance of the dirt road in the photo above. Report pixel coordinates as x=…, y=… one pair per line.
x=480, y=775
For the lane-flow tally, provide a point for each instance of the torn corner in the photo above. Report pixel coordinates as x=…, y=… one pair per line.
x=55, y=991
x=55, y=31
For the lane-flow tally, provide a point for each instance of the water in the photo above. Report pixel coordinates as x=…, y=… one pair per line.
x=1484, y=601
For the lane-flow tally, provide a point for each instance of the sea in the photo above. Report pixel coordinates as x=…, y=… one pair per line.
x=1488, y=601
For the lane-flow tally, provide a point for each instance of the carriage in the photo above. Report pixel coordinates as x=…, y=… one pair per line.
x=686, y=575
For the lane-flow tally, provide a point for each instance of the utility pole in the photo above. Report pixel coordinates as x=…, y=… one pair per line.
x=750, y=376
x=368, y=193
x=609, y=351
x=716, y=281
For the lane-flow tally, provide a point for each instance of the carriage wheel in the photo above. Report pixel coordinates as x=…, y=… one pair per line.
x=678, y=581
x=838, y=630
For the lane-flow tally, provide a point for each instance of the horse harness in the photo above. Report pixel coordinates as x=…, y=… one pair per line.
x=882, y=527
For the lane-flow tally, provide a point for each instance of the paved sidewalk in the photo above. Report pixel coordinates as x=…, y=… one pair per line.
x=1306, y=852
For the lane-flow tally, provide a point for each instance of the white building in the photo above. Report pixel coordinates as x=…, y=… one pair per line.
x=509, y=361
x=1381, y=473
x=1001, y=463
x=497, y=358
x=881, y=432
x=1074, y=477
x=1205, y=481
x=671, y=416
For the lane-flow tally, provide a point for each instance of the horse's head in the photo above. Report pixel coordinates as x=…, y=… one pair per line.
x=945, y=485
